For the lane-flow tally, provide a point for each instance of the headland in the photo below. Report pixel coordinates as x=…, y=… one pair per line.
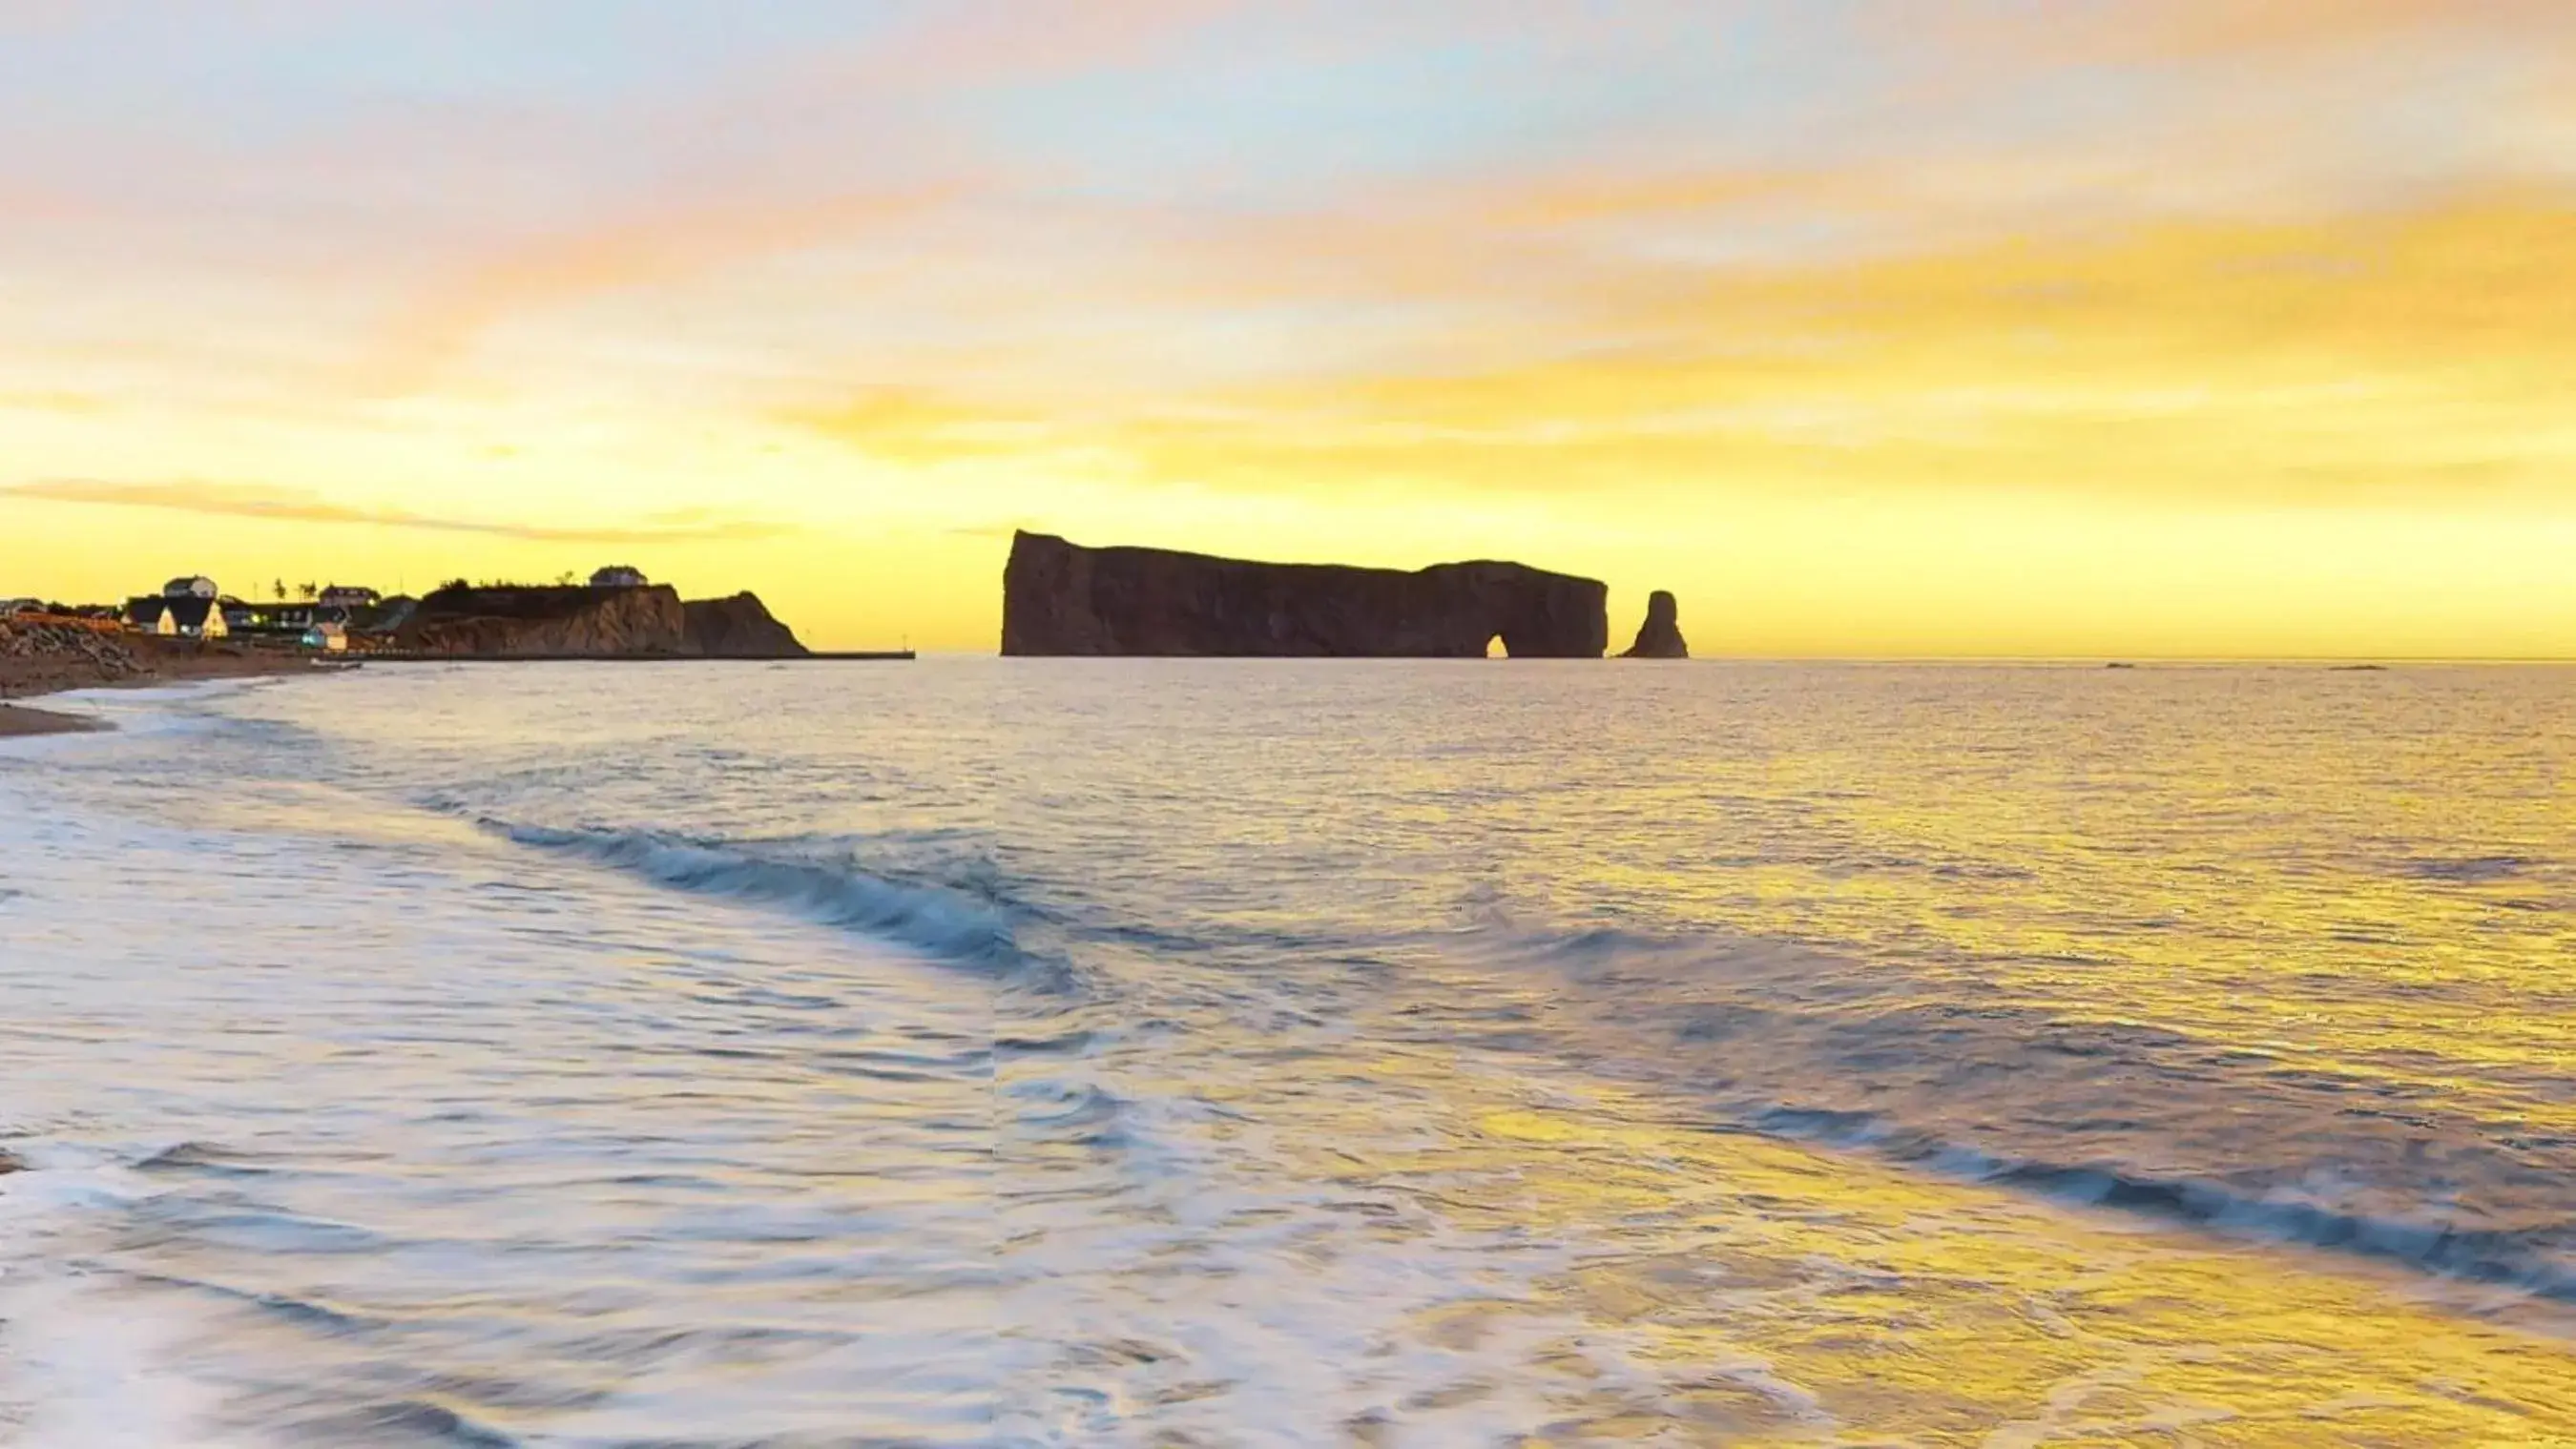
x=190, y=628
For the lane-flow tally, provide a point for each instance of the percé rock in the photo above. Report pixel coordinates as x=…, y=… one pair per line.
x=737, y=627
x=647, y=619
x=1660, y=637
x=1060, y=598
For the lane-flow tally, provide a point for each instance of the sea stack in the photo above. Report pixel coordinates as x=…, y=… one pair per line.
x=1660, y=637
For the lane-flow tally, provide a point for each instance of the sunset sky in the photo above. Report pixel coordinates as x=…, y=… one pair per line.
x=1909, y=327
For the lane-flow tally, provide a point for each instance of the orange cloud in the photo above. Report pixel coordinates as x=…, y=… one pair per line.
x=2403, y=358
x=639, y=252
x=2202, y=29
x=913, y=425
x=297, y=506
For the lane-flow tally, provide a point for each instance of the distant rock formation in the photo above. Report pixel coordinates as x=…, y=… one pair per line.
x=738, y=627
x=1660, y=637
x=647, y=619
x=1059, y=598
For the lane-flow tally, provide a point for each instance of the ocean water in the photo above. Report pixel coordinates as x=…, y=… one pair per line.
x=1210, y=1053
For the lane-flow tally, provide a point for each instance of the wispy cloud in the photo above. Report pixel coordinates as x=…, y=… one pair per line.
x=988, y=42
x=288, y=505
x=2235, y=29
x=76, y=403
x=912, y=425
x=2411, y=357
x=991, y=530
x=1315, y=263
x=639, y=252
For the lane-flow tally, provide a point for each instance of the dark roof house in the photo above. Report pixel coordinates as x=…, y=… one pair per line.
x=183, y=616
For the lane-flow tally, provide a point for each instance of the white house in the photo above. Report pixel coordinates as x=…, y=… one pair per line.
x=618, y=576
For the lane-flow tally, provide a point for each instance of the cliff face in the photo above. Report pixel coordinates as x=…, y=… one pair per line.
x=1062, y=598
x=738, y=627
x=1660, y=637
x=644, y=620
x=647, y=620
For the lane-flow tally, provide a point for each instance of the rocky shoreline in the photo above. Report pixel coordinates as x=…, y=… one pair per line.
x=50, y=657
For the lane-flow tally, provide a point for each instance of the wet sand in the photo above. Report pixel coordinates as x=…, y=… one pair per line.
x=17, y=721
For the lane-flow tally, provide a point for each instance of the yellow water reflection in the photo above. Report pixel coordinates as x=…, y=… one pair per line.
x=1724, y=1288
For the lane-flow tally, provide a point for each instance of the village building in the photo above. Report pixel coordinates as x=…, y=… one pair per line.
x=342, y=596
x=618, y=576
x=179, y=616
x=196, y=586
x=282, y=619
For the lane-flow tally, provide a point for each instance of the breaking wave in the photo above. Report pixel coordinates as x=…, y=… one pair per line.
x=2526, y=1261
x=927, y=918
x=1782, y=1040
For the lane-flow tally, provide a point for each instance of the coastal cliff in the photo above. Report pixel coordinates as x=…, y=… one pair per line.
x=641, y=620
x=547, y=620
x=1060, y=598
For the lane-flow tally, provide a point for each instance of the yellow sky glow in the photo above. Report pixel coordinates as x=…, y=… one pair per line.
x=2190, y=330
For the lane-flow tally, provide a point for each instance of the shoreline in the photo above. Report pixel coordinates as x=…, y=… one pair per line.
x=18, y=722
x=34, y=676
x=25, y=678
